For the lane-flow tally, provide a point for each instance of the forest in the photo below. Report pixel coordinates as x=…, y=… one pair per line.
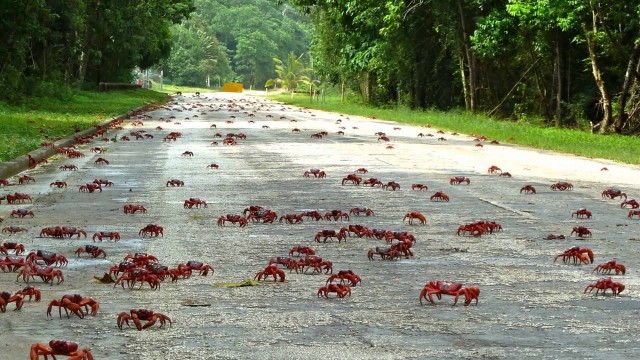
x=563, y=63
x=572, y=63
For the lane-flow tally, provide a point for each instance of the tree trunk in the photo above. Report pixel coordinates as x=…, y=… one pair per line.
x=465, y=89
x=597, y=75
x=471, y=62
x=558, y=79
x=628, y=80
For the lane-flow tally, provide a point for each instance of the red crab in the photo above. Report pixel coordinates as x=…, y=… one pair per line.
x=302, y=250
x=415, y=215
x=6, y=298
x=59, y=347
x=12, y=263
x=361, y=210
x=92, y=250
x=25, y=179
x=419, y=187
x=68, y=167
x=291, y=218
x=104, y=182
x=132, y=209
x=386, y=253
x=372, y=182
x=362, y=171
x=439, y=196
x=439, y=288
x=112, y=235
x=14, y=229
x=505, y=174
x=191, y=202
x=609, y=266
x=47, y=274
x=494, y=170
x=48, y=257
x=613, y=193
x=21, y=213
x=213, y=166
x=581, y=213
x=576, y=255
x=151, y=230
x=457, y=180
x=270, y=270
x=139, y=315
x=391, y=184
x=71, y=231
x=190, y=266
x=562, y=186
x=58, y=184
x=581, y=231
x=336, y=215
x=101, y=161
x=340, y=235
x=633, y=203
x=17, y=248
x=341, y=290
x=604, y=285
x=633, y=213
x=31, y=292
x=353, y=179
x=345, y=275
x=234, y=219
x=528, y=189
x=315, y=172
x=175, y=182
x=90, y=187
x=74, y=303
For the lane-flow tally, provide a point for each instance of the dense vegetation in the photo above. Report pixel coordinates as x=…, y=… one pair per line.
x=565, y=61
x=49, y=44
x=234, y=40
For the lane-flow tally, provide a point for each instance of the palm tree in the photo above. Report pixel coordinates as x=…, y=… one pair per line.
x=290, y=73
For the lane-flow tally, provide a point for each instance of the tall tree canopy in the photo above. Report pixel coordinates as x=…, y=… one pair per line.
x=562, y=60
x=249, y=34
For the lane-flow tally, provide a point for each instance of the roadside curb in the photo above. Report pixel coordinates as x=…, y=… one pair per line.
x=12, y=167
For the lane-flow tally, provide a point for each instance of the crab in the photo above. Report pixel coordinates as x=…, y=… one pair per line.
x=361, y=171
x=139, y=275
x=59, y=347
x=581, y=213
x=190, y=266
x=494, y=170
x=234, y=219
x=391, y=184
x=12, y=263
x=576, y=255
x=270, y=270
x=386, y=253
x=604, y=285
x=4, y=182
x=633, y=203
x=419, y=187
x=345, y=275
x=139, y=315
x=68, y=167
x=353, y=179
x=102, y=182
x=92, y=250
x=14, y=229
x=361, y=210
x=54, y=231
x=340, y=235
x=46, y=273
x=31, y=292
x=315, y=172
x=505, y=174
x=457, y=180
x=581, y=231
x=21, y=213
x=341, y=290
x=6, y=298
x=302, y=250
x=151, y=230
x=175, y=182
x=101, y=161
x=112, y=235
x=613, y=193
x=609, y=266
x=415, y=215
x=90, y=187
x=439, y=196
x=528, y=189
x=554, y=237
x=336, y=215
x=191, y=202
x=562, y=186
x=132, y=209
x=291, y=218
x=26, y=179
x=74, y=303
x=633, y=213
x=16, y=197
x=58, y=184
x=71, y=231
x=213, y=166
x=17, y=248
x=372, y=182
x=48, y=257
x=439, y=288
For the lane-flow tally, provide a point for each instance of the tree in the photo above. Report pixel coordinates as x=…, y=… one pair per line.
x=291, y=73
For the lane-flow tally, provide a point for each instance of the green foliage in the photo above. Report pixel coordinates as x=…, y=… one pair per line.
x=250, y=34
x=291, y=73
x=24, y=124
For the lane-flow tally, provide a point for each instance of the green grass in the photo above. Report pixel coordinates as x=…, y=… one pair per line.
x=625, y=149
x=24, y=125
x=172, y=89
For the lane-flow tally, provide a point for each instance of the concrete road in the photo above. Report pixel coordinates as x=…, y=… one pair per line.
x=529, y=306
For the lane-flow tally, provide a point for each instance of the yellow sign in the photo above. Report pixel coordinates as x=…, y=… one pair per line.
x=232, y=87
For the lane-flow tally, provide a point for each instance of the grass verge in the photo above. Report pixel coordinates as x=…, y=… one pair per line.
x=612, y=147
x=172, y=89
x=25, y=125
